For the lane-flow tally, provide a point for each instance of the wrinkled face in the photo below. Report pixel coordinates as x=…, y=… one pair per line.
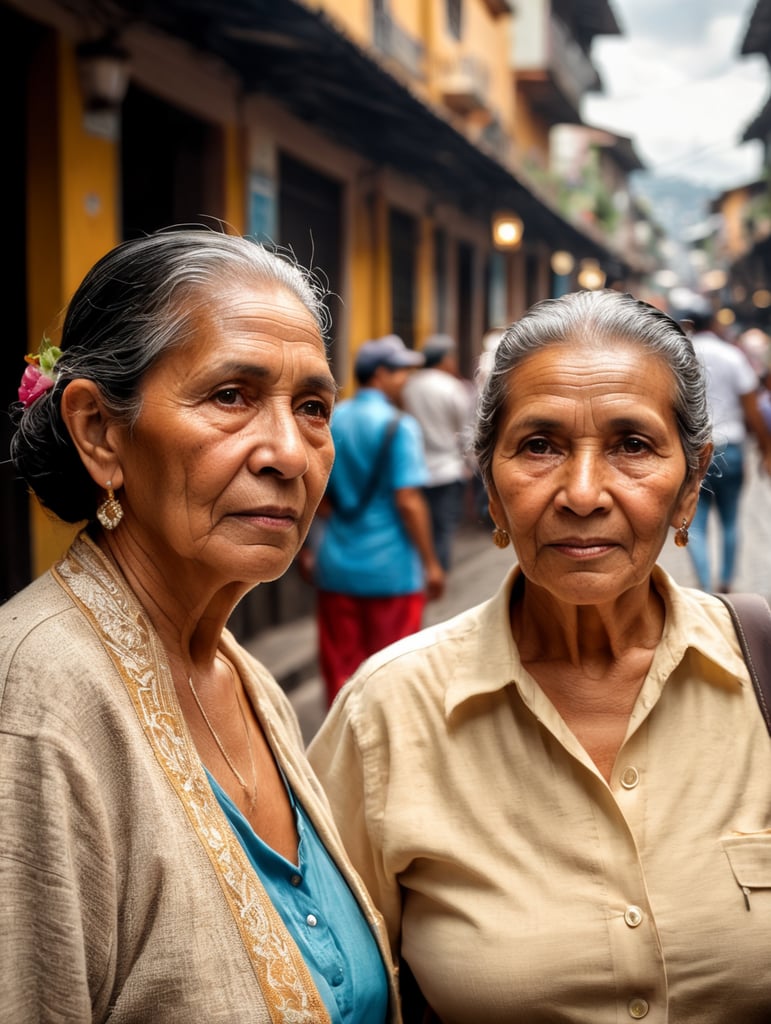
x=589, y=473
x=231, y=451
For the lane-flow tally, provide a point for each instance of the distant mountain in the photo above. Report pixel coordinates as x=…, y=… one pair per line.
x=675, y=204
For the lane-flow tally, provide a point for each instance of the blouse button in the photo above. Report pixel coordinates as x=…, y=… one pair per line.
x=311, y=920
x=630, y=777
x=295, y=879
x=638, y=1008
x=633, y=916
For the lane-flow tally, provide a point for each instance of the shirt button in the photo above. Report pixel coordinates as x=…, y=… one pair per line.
x=630, y=777
x=633, y=916
x=311, y=920
x=295, y=879
x=638, y=1008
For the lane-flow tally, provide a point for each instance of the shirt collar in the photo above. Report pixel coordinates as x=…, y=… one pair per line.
x=698, y=620
x=694, y=619
x=490, y=627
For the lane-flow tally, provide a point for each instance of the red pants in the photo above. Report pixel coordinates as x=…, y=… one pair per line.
x=353, y=628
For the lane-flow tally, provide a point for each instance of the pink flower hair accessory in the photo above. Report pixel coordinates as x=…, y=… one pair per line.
x=40, y=374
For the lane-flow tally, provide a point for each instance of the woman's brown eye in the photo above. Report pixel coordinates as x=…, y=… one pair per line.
x=634, y=445
x=315, y=408
x=228, y=396
x=537, y=446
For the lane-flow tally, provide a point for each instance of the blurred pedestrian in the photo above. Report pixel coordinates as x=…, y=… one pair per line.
x=764, y=398
x=756, y=345
x=443, y=406
x=375, y=565
x=732, y=394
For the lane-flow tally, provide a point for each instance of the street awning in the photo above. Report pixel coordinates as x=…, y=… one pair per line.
x=299, y=58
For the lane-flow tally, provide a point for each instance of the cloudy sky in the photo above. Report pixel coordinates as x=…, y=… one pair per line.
x=675, y=83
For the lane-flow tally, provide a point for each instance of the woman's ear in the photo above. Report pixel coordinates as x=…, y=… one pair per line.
x=92, y=431
x=494, y=509
x=705, y=459
x=689, y=498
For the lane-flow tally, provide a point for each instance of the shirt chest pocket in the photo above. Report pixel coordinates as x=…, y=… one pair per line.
x=749, y=855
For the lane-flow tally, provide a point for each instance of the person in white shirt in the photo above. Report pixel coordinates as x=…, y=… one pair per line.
x=732, y=393
x=443, y=406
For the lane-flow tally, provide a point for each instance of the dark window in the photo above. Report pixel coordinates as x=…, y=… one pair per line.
x=402, y=235
x=454, y=17
x=531, y=278
x=440, y=281
x=309, y=206
x=465, y=292
x=24, y=39
x=170, y=166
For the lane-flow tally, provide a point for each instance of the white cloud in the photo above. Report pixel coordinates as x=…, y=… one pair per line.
x=676, y=84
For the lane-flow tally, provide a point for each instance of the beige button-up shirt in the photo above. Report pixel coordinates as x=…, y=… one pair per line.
x=516, y=882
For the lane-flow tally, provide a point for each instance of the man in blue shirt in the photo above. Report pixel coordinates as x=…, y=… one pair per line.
x=376, y=565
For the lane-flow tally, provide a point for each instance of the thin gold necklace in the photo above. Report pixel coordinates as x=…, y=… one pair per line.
x=251, y=791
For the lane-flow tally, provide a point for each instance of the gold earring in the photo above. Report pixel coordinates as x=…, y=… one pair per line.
x=500, y=538
x=110, y=512
x=681, y=534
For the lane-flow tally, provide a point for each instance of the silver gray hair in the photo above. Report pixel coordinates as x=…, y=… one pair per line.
x=598, y=318
x=138, y=302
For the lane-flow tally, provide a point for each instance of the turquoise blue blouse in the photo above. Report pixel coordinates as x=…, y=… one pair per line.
x=322, y=916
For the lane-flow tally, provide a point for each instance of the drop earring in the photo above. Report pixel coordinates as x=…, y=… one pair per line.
x=110, y=512
x=500, y=538
x=681, y=534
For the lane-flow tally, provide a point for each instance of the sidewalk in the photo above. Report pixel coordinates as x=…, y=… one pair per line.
x=290, y=651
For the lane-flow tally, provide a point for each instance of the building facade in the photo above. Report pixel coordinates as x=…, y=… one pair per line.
x=379, y=141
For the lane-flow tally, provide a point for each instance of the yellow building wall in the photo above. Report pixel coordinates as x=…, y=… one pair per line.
x=71, y=219
x=356, y=17
x=89, y=182
x=486, y=41
x=425, y=296
x=234, y=200
x=353, y=16
x=732, y=209
x=483, y=37
x=409, y=15
x=362, y=280
x=380, y=262
x=531, y=135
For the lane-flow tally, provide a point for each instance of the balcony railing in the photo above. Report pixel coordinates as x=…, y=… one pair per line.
x=464, y=84
x=546, y=47
x=569, y=66
x=392, y=41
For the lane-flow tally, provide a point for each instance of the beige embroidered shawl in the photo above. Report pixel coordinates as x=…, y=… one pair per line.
x=226, y=923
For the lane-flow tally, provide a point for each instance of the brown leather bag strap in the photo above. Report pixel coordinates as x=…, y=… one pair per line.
x=751, y=617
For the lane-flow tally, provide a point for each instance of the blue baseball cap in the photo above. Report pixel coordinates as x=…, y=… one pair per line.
x=389, y=351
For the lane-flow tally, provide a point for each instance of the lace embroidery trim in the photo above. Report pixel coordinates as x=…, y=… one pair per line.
x=291, y=995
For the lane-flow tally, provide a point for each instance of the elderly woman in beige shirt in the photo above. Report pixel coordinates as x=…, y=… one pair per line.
x=561, y=799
